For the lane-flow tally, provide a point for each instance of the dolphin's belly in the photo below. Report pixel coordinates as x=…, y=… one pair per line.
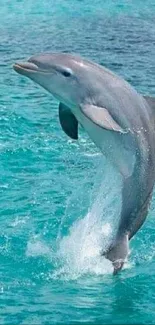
x=115, y=146
x=121, y=151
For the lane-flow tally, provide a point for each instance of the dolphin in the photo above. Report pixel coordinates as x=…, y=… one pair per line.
x=118, y=119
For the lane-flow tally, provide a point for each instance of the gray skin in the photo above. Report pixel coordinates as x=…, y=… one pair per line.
x=118, y=120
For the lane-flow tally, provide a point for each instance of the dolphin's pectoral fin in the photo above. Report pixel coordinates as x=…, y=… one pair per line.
x=151, y=102
x=117, y=252
x=101, y=117
x=68, y=121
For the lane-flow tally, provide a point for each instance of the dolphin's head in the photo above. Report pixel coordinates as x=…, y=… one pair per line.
x=63, y=75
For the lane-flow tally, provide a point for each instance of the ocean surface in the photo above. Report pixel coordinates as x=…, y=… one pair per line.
x=59, y=199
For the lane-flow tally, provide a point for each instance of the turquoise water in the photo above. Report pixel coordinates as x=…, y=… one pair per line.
x=59, y=199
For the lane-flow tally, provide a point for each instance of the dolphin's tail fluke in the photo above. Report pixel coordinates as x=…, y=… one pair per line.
x=118, y=252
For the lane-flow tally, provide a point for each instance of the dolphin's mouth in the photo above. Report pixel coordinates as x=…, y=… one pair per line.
x=27, y=68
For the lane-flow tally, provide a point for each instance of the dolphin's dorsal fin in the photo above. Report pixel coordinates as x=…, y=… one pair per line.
x=101, y=117
x=150, y=101
x=68, y=121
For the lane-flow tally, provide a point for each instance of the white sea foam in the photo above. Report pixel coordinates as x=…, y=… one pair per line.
x=36, y=247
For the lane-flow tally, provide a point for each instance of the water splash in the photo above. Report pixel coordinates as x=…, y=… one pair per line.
x=36, y=247
x=80, y=250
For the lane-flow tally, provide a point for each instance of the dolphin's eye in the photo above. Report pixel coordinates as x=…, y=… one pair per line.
x=66, y=73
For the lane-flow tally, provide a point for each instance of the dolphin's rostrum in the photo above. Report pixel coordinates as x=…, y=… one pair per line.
x=118, y=120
